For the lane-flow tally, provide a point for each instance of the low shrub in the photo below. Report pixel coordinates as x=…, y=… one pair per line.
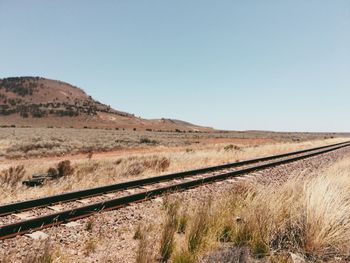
x=232, y=147
x=63, y=168
x=12, y=176
x=135, y=169
x=159, y=164
x=148, y=141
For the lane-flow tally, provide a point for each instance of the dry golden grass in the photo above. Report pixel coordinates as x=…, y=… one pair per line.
x=112, y=169
x=307, y=214
x=145, y=251
x=90, y=246
x=12, y=176
x=169, y=230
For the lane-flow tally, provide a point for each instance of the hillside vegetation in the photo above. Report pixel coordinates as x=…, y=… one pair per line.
x=40, y=102
x=38, y=97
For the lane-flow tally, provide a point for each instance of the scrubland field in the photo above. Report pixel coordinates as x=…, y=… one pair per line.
x=29, y=142
x=171, y=152
x=304, y=215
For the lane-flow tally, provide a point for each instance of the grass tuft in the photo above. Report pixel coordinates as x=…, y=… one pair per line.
x=45, y=254
x=183, y=221
x=184, y=257
x=12, y=176
x=167, y=243
x=199, y=228
x=89, y=224
x=144, y=253
x=138, y=233
x=90, y=246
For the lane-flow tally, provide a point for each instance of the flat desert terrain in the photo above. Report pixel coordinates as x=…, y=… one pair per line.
x=202, y=223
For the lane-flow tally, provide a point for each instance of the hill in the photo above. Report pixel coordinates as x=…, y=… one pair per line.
x=41, y=102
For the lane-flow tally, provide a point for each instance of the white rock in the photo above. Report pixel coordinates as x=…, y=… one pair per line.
x=158, y=200
x=38, y=235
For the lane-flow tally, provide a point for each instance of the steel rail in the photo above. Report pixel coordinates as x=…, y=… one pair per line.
x=18, y=228
x=70, y=196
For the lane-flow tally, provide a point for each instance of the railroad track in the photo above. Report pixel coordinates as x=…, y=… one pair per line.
x=26, y=216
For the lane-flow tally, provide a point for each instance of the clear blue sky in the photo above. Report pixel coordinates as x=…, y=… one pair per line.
x=272, y=65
